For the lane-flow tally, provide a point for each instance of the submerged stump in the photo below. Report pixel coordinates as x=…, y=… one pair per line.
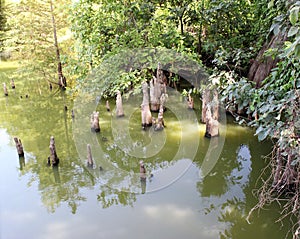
x=52, y=159
x=119, y=105
x=19, y=147
x=95, y=126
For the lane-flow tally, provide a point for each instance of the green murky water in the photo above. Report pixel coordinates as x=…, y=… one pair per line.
x=190, y=194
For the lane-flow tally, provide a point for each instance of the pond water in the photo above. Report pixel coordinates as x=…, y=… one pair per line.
x=178, y=200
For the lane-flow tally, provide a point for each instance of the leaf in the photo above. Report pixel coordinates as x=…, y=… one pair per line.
x=294, y=15
x=271, y=4
x=263, y=134
x=293, y=31
x=294, y=162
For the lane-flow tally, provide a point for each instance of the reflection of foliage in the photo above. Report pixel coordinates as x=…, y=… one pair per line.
x=233, y=212
x=226, y=189
x=110, y=196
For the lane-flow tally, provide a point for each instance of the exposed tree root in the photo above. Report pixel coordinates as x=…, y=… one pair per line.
x=282, y=186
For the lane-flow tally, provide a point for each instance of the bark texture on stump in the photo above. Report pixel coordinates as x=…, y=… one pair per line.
x=205, y=101
x=160, y=119
x=119, y=105
x=95, y=127
x=215, y=105
x=154, y=91
x=157, y=88
x=90, y=162
x=5, y=89
x=52, y=159
x=145, y=108
x=212, y=125
x=19, y=147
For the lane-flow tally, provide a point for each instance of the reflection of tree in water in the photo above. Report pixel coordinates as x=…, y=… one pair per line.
x=224, y=189
x=109, y=197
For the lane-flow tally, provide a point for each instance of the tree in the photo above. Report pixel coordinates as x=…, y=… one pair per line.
x=39, y=34
x=3, y=25
x=273, y=108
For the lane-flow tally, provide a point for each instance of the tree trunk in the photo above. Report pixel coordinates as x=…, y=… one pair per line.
x=145, y=109
x=61, y=78
x=262, y=65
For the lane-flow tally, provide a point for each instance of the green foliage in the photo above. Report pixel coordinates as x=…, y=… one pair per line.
x=31, y=39
x=273, y=108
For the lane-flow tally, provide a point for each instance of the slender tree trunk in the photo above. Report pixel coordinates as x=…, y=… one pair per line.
x=61, y=78
x=181, y=24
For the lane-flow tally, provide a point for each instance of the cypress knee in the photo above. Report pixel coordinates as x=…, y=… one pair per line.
x=5, y=89
x=95, y=126
x=19, y=147
x=119, y=105
x=90, y=162
x=145, y=109
x=52, y=159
